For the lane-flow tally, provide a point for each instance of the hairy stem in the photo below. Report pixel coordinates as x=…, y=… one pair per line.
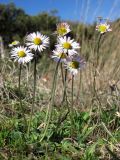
x=65, y=86
x=50, y=106
x=96, y=66
x=34, y=91
x=20, y=99
x=62, y=73
x=72, y=109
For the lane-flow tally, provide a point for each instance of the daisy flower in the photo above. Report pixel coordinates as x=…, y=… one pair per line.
x=63, y=29
x=68, y=45
x=74, y=64
x=14, y=43
x=37, y=41
x=59, y=55
x=103, y=27
x=21, y=54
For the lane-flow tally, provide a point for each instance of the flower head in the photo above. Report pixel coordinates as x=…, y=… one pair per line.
x=103, y=27
x=14, y=43
x=63, y=29
x=59, y=55
x=74, y=64
x=21, y=54
x=37, y=41
x=68, y=45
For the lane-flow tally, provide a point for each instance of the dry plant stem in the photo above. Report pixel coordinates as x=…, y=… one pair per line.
x=50, y=106
x=34, y=91
x=20, y=100
x=107, y=131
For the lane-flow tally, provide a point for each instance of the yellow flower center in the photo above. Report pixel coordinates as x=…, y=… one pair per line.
x=67, y=45
x=37, y=41
x=21, y=54
x=62, y=55
x=74, y=64
x=102, y=28
x=61, y=31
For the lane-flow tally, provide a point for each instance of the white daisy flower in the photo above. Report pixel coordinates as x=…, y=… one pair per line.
x=37, y=41
x=68, y=45
x=63, y=29
x=59, y=55
x=14, y=43
x=74, y=64
x=103, y=27
x=21, y=54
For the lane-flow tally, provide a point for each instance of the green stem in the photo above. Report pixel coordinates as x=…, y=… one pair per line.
x=49, y=111
x=72, y=109
x=95, y=66
x=97, y=50
x=65, y=86
x=62, y=73
x=79, y=86
x=72, y=91
x=34, y=91
x=20, y=99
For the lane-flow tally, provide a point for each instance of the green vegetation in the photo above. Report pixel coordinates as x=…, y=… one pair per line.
x=95, y=134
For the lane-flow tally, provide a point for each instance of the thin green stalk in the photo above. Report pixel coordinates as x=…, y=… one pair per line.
x=62, y=73
x=34, y=91
x=28, y=72
x=64, y=94
x=72, y=109
x=20, y=100
x=97, y=50
x=96, y=66
x=50, y=106
x=72, y=91
x=79, y=86
x=34, y=88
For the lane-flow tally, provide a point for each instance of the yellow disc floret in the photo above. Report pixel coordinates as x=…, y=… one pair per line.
x=67, y=45
x=74, y=64
x=21, y=53
x=37, y=41
x=62, y=31
x=102, y=28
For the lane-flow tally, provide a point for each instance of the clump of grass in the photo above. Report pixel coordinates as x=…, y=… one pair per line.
x=58, y=140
